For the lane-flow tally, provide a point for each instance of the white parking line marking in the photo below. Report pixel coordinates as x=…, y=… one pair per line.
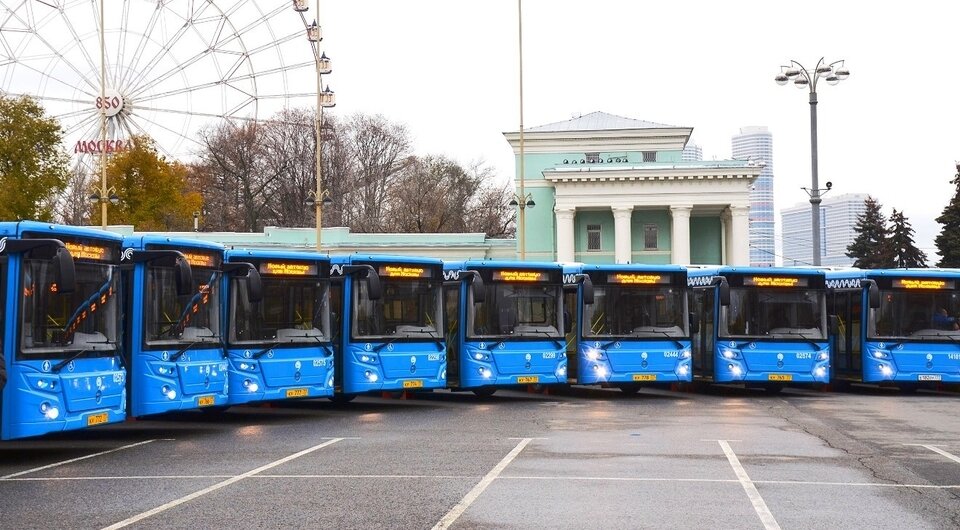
x=72, y=460
x=474, y=493
x=218, y=485
x=939, y=451
x=748, y=486
x=444, y=477
x=107, y=478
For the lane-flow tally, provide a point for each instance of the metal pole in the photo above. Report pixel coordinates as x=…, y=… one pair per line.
x=103, y=123
x=522, y=199
x=319, y=154
x=815, y=191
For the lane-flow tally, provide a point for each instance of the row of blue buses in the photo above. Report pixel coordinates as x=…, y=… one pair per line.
x=97, y=328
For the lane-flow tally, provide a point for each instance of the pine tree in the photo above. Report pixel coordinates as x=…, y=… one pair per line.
x=871, y=249
x=905, y=252
x=948, y=242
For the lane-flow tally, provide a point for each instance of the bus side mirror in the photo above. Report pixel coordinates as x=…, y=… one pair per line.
x=254, y=285
x=723, y=291
x=374, y=290
x=184, y=276
x=477, y=288
x=833, y=324
x=587, y=289
x=694, y=323
x=873, y=294
x=64, y=271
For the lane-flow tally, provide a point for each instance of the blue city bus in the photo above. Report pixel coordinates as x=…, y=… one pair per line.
x=387, y=316
x=764, y=327
x=896, y=327
x=633, y=329
x=505, y=324
x=278, y=338
x=60, y=329
x=173, y=324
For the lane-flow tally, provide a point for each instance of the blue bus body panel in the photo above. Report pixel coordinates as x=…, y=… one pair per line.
x=904, y=362
x=381, y=365
x=628, y=360
x=765, y=361
x=198, y=378
x=285, y=371
x=87, y=391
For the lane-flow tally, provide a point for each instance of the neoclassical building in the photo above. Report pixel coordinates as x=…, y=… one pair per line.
x=609, y=189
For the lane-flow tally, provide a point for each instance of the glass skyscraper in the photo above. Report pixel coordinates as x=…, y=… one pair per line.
x=756, y=143
x=838, y=219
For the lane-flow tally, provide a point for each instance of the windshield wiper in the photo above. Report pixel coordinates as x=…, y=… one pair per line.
x=383, y=345
x=555, y=340
x=59, y=366
x=183, y=350
x=806, y=338
x=664, y=333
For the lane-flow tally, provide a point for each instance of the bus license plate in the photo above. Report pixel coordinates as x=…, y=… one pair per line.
x=297, y=392
x=97, y=419
x=644, y=377
x=415, y=383
x=528, y=379
x=929, y=377
x=780, y=377
x=205, y=401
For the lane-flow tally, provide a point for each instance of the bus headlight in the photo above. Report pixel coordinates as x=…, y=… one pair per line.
x=485, y=373
x=880, y=354
x=593, y=353
x=600, y=370
x=729, y=354
x=443, y=374
x=371, y=376
x=478, y=356
x=886, y=370
x=561, y=372
x=170, y=393
x=49, y=411
x=824, y=356
x=330, y=380
x=685, y=354
x=683, y=370
x=820, y=371
x=251, y=386
x=735, y=369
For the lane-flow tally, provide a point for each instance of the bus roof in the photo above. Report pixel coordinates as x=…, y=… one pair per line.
x=382, y=258
x=722, y=270
x=141, y=241
x=622, y=267
x=501, y=264
x=239, y=254
x=53, y=230
x=899, y=273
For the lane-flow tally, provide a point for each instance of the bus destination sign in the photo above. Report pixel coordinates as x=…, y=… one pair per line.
x=775, y=281
x=405, y=271
x=922, y=283
x=639, y=278
x=519, y=276
x=285, y=268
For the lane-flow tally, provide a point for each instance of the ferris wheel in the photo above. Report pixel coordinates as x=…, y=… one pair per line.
x=160, y=68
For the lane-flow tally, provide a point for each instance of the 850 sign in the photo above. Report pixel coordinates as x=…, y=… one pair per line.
x=111, y=103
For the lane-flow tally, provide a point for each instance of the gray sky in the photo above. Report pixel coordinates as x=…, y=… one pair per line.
x=448, y=70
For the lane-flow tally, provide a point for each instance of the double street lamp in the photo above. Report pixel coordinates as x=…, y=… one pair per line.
x=325, y=99
x=802, y=78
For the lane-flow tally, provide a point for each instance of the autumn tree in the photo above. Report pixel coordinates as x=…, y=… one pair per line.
x=33, y=166
x=870, y=248
x=948, y=241
x=154, y=192
x=901, y=244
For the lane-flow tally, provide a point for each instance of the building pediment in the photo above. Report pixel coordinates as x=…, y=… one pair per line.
x=653, y=172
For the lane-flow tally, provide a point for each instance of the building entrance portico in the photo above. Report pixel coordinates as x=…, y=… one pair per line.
x=621, y=194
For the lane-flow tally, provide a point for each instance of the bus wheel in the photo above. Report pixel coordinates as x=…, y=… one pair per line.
x=629, y=388
x=484, y=391
x=342, y=398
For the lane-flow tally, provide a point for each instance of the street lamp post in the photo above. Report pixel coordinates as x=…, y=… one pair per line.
x=103, y=192
x=802, y=78
x=521, y=199
x=325, y=99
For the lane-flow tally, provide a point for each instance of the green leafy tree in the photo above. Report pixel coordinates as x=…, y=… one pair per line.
x=905, y=252
x=948, y=241
x=871, y=248
x=33, y=165
x=154, y=193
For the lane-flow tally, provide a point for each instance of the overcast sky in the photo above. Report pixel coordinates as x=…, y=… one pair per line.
x=449, y=71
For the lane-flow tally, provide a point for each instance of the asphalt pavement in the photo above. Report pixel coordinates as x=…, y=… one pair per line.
x=581, y=458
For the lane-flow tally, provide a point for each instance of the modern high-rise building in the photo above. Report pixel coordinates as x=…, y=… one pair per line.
x=756, y=143
x=691, y=153
x=838, y=219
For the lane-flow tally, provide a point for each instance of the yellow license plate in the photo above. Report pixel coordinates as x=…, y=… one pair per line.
x=416, y=383
x=205, y=401
x=528, y=379
x=97, y=419
x=297, y=392
x=779, y=377
x=644, y=377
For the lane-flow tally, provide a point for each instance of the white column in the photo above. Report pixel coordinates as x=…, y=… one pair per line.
x=565, y=234
x=725, y=224
x=623, y=246
x=739, y=243
x=680, y=234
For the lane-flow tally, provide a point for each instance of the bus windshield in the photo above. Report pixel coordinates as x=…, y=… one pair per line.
x=84, y=320
x=293, y=310
x=174, y=319
x=517, y=310
x=784, y=314
x=631, y=311
x=913, y=315
x=408, y=308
